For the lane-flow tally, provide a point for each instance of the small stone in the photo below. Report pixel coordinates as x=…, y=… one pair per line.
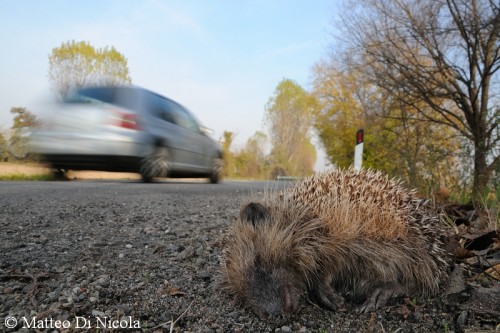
x=128, y=246
x=187, y=253
x=121, y=255
x=103, y=280
x=60, y=269
x=285, y=329
x=97, y=313
x=234, y=314
x=311, y=324
x=200, y=262
x=200, y=251
x=53, y=295
x=462, y=318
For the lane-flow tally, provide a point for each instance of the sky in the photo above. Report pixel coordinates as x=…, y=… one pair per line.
x=220, y=59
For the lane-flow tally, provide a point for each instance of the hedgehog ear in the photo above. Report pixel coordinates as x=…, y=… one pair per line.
x=255, y=213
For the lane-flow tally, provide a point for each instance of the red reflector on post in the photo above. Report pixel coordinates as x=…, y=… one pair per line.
x=359, y=136
x=358, y=150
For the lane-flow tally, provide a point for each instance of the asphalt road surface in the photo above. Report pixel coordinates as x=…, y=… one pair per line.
x=126, y=188
x=101, y=248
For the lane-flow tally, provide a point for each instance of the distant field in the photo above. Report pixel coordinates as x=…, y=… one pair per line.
x=32, y=169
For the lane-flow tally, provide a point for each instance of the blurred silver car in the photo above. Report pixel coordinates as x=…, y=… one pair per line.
x=129, y=129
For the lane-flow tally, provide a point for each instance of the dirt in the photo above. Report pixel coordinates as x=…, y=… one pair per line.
x=94, y=256
x=33, y=169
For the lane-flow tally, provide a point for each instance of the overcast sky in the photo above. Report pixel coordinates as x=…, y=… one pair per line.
x=221, y=59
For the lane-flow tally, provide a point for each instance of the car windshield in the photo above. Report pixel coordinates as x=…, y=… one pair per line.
x=125, y=97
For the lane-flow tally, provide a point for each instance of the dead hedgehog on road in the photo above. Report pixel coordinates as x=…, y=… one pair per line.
x=341, y=235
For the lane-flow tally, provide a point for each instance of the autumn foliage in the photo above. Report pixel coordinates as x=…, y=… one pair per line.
x=74, y=65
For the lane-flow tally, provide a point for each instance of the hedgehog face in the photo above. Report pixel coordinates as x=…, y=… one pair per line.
x=270, y=292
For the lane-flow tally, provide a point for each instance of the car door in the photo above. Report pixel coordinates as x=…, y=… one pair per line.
x=165, y=130
x=196, y=148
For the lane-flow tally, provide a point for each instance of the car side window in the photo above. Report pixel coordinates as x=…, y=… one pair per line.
x=183, y=118
x=167, y=113
x=161, y=110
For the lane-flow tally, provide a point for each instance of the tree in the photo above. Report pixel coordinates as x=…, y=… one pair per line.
x=251, y=160
x=422, y=153
x=4, y=153
x=341, y=114
x=439, y=57
x=227, y=141
x=289, y=115
x=74, y=65
x=255, y=146
x=395, y=142
x=24, y=121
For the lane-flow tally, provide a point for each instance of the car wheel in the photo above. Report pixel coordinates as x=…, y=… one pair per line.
x=155, y=165
x=217, y=169
x=60, y=174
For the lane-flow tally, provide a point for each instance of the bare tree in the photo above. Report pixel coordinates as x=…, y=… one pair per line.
x=444, y=53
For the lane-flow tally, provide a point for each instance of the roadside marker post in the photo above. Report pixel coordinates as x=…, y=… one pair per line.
x=358, y=150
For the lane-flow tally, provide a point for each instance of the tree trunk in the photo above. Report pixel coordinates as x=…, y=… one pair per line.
x=481, y=172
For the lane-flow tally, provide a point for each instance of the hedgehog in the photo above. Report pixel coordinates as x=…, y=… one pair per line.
x=334, y=237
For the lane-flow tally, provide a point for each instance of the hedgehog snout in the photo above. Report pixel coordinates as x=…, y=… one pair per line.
x=271, y=293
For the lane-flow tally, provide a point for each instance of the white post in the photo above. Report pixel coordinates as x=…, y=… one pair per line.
x=358, y=151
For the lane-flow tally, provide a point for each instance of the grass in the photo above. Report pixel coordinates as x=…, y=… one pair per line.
x=489, y=203
x=24, y=177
